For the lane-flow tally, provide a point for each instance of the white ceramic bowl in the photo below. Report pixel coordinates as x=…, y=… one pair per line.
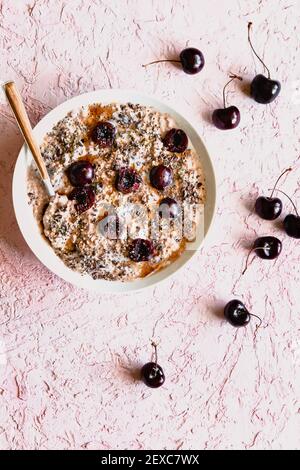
x=29, y=226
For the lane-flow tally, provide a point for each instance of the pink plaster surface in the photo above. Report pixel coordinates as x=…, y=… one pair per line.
x=68, y=357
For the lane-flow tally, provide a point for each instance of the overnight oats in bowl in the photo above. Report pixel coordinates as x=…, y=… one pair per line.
x=130, y=191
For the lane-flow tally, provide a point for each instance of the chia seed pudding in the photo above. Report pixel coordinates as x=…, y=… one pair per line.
x=106, y=219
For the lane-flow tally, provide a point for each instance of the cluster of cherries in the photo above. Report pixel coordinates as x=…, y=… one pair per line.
x=267, y=248
x=262, y=89
x=81, y=175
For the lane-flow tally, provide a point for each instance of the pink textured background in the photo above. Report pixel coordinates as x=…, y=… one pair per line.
x=67, y=357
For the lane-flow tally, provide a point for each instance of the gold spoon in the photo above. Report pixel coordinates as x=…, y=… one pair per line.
x=22, y=119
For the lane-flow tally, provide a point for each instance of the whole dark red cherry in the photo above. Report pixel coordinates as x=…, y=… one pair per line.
x=141, y=250
x=237, y=314
x=176, y=140
x=270, y=208
x=104, y=134
x=265, y=248
x=127, y=180
x=84, y=198
x=161, y=176
x=80, y=173
x=291, y=225
x=191, y=60
x=227, y=117
x=168, y=208
x=263, y=89
x=291, y=222
x=109, y=227
x=152, y=375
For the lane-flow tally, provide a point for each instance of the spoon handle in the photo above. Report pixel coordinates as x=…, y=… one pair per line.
x=21, y=116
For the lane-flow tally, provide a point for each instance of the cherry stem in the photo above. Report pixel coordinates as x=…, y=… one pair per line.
x=164, y=60
x=278, y=179
x=293, y=204
x=254, y=51
x=154, y=345
x=232, y=77
x=247, y=259
x=255, y=316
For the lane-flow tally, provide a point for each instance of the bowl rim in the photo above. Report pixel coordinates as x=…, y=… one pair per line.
x=43, y=126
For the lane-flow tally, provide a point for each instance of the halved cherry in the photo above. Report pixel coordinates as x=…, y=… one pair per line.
x=176, y=141
x=84, y=198
x=127, y=180
x=141, y=250
x=104, y=134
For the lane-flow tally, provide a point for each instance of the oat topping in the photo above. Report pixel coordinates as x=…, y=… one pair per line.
x=130, y=142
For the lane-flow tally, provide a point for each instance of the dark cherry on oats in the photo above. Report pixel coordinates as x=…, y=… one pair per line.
x=80, y=173
x=104, y=134
x=141, y=250
x=227, y=117
x=127, y=180
x=191, y=60
x=161, y=176
x=84, y=198
x=263, y=89
x=176, y=141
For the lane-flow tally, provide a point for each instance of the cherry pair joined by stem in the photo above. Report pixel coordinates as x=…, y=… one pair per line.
x=263, y=90
x=270, y=208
